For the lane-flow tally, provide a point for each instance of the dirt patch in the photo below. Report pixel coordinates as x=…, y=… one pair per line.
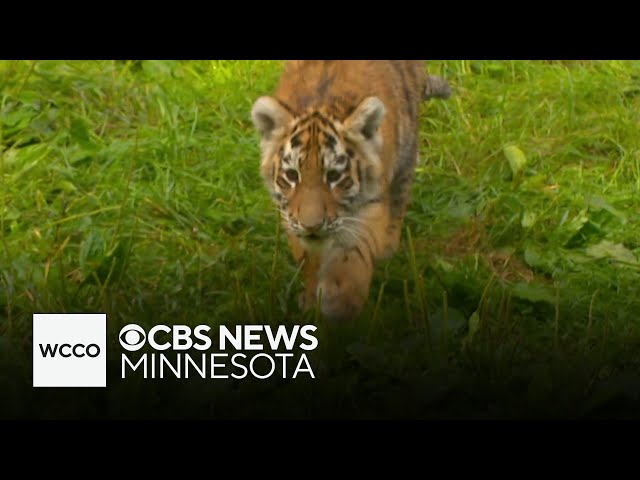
x=508, y=267
x=471, y=239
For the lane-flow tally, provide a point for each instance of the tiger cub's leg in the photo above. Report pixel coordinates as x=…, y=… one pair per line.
x=310, y=266
x=344, y=279
x=346, y=270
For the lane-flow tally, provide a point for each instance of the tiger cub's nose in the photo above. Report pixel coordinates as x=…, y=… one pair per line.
x=313, y=229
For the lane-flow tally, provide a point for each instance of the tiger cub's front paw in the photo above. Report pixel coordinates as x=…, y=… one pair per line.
x=339, y=301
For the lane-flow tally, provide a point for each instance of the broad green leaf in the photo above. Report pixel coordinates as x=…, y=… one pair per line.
x=533, y=292
x=10, y=213
x=607, y=249
x=575, y=230
x=81, y=134
x=577, y=222
x=516, y=158
x=528, y=219
x=601, y=203
x=18, y=119
x=29, y=157
x=542, y=258
x=66, y=186
x=533, y=257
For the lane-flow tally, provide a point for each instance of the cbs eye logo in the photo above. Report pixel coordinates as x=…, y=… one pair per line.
x=132, y=337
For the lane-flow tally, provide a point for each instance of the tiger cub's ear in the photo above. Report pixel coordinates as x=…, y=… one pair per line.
x=366, y=118
x=269, y=115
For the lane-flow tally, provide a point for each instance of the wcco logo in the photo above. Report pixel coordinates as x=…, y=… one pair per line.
x=78, y=350
x=69, y=350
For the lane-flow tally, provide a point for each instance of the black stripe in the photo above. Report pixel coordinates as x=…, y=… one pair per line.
x=349, y=109
x=325, y=121
x=411, y=75
x=405, y=88
x=313, y=131
x=282, y=183
x=302, y=122
x=287, y=107
x=346, y=180
x=332, y=128
x=325, y=82
x=330, y=141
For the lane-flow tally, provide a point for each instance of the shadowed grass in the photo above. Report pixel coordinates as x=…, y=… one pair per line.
x=133, y=188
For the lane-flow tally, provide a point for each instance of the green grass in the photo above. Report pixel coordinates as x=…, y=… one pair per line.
x=133, y=188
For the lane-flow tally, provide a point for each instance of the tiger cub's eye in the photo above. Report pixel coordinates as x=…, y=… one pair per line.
x=333, y=175
x=292, y=175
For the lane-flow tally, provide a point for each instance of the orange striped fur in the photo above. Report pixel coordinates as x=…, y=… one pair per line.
x=339, y=147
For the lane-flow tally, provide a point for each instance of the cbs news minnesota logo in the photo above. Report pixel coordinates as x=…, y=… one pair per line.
x=69, y=350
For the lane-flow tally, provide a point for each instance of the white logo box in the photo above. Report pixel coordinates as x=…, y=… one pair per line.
x=74, y=347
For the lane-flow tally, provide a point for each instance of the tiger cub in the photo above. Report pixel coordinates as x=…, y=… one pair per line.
x=339, y=144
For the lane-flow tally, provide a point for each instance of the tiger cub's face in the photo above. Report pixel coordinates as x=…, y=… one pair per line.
x=320, y=170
